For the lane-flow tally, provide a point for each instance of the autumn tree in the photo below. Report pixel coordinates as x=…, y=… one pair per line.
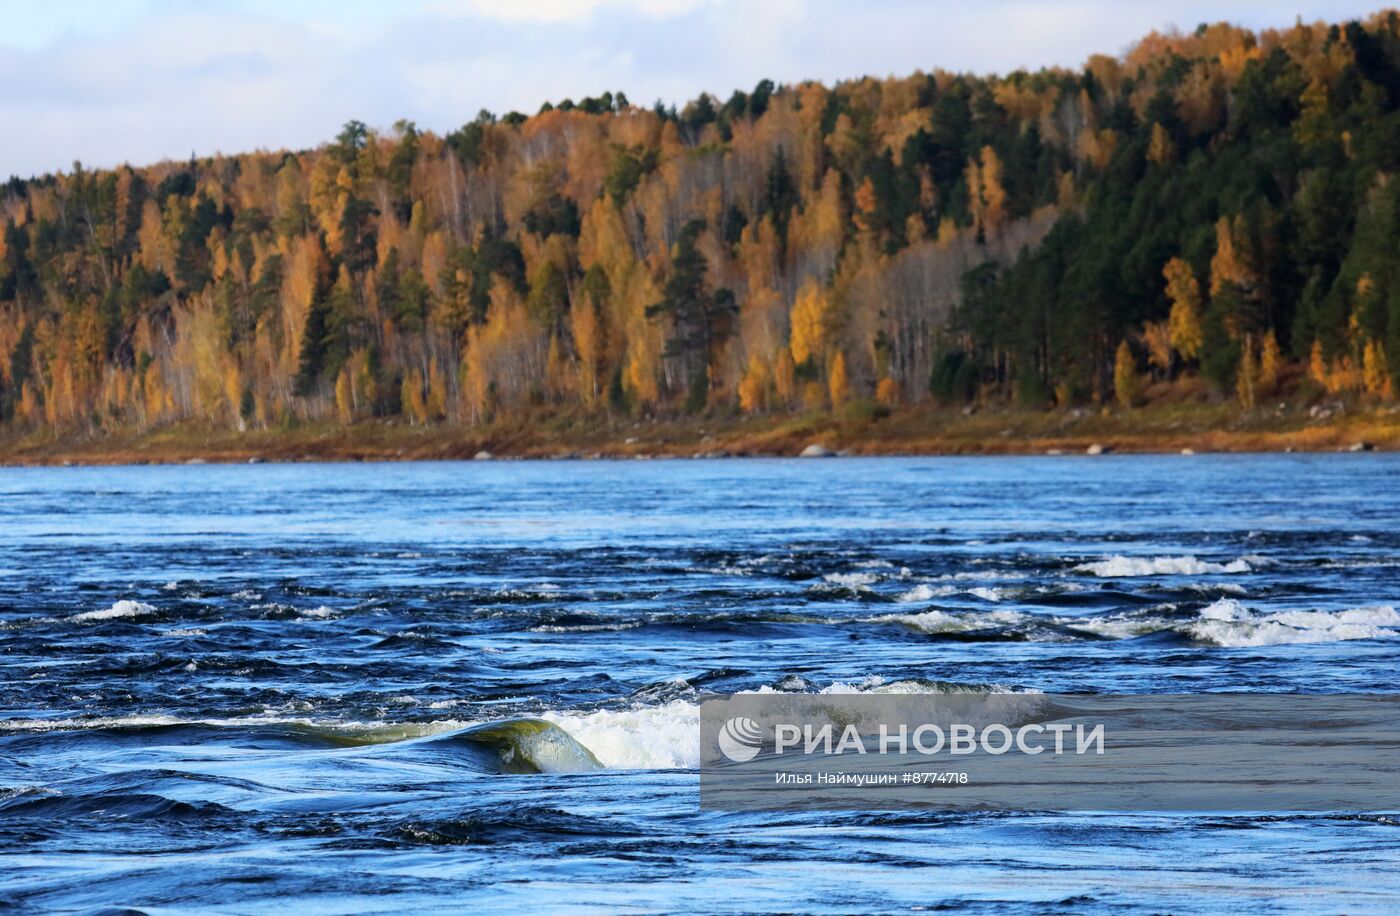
x=811, y=323
x=940, y=234
x=1127, y=382
x=1184, y=323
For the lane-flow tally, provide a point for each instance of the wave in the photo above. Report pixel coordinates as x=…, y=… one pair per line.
x=118, y=610
x=525, y=745
x=928, y=592
x=665, y=737
x=1225, y=623
x=859, y=582
x=644, y=737
x=1230, y=624
x=941, y=622
x=1121, y=567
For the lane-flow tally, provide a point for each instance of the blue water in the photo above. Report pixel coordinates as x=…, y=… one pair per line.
x=228, y=687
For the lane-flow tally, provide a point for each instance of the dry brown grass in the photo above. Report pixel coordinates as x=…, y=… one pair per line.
x=1168, y=425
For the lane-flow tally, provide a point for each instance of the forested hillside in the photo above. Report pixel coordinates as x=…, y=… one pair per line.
x=1210, y=205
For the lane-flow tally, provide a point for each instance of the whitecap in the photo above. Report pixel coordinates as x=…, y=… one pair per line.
x=935, y=622
x=926, y=592
x=648, y=737
x=118, y=610
x=978, y=575
x=1121, y=567
x=1229, y=624
x=664, y=736
x=852, y=579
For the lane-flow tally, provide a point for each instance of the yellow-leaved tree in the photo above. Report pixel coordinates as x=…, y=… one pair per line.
x=753, y=387
x=1160, y=150
x=1184, y=322
x=838, y=382
x=588, y=345
x=785, y=377
x=810, y=318
x=1270, y=363
x=1127, y=383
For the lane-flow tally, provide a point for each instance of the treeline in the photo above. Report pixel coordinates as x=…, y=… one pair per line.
x=1211, y=204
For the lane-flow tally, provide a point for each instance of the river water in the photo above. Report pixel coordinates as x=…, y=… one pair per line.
x=243, y=687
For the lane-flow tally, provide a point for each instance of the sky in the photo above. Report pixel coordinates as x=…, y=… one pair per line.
x=111, y=81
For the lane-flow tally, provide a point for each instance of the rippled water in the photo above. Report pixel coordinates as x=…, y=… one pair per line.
x=243, y=686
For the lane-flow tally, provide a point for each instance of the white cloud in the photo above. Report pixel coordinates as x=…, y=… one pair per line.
x=233, y=75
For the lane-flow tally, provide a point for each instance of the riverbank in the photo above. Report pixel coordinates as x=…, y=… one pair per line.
x=860, y=431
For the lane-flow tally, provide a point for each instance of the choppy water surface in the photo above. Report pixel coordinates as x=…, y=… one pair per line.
x=242, y=686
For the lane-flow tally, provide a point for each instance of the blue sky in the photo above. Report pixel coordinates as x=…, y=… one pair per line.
x=107, y=81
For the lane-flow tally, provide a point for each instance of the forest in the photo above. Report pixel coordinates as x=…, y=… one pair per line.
x=1212, y=213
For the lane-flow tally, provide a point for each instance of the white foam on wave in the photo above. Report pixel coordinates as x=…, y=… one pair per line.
x=1226, y=623
x=118, y=610
x=665, y=737
x=851, y=579
x=926, y=592
x=936, y=622
x=961, y=622
x=646, y=738
x=1117, y=626
x=1121, y=567
x=1229, y=624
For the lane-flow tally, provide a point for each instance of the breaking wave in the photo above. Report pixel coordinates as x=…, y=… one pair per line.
x=644, y=737
x=1121, y=567
x=1230, y=624
x=117, y=611
x=1226, y=623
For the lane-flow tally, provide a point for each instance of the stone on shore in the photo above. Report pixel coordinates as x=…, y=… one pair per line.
x=817, y=451
x=1098, y=449
x=483, y=455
